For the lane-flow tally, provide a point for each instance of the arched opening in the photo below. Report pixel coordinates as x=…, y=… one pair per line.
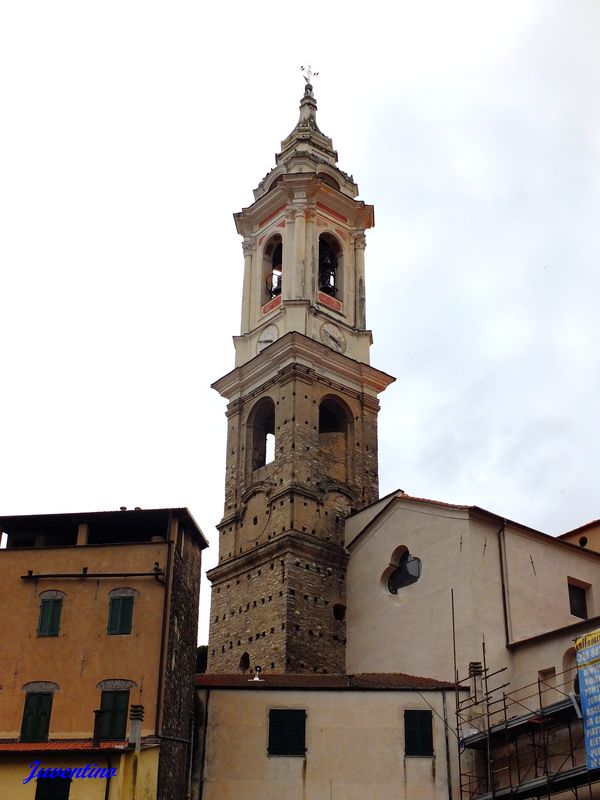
x=261, y=433
x=339, y=612
x=333, y=438
x=330, y=265
x=328, y=180
x=272, y=267
x=244, y=662
x=570, y=677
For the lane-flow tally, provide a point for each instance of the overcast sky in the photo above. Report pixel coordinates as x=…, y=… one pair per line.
x=132, y=131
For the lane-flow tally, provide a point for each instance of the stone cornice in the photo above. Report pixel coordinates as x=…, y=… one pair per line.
x=296, y=349
x=298, y=544
x=302, y=188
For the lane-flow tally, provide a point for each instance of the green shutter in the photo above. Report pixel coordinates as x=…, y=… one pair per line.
x=114, y=719
x=36, y=717
x=418, y=733
x=120, y=614
x=49, y=622
x=126, y=614
x=287, y=732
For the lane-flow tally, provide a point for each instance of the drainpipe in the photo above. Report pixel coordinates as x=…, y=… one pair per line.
x=448, y=772
x=163, y=636
x=201, y=753
x=501, y=550
x=107, y=787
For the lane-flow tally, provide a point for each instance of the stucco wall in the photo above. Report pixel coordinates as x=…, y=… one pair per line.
x=83, y=654
x=14, y=769
x=459, y=550
x=354, y=740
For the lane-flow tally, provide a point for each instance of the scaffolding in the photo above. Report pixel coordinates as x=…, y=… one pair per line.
x=525, y=743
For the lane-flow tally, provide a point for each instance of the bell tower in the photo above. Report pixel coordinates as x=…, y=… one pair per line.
x=302, y=416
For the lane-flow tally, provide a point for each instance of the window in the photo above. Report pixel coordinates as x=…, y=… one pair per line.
x=261, y=433
x=418, y=733
x=120, y=613
x=578, y=600
x=113, y=717
x=407, y=571
x=287, y=732
x=334, y=434
x=50, y=611
x=36, y=717
x=272, y=266
x=330, y=256
x=53, y=789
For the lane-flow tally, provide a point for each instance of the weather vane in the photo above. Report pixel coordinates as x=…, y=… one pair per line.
x=308, y=74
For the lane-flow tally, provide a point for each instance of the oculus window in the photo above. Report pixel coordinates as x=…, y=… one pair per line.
x=405, y=572
x=418, y=733
x=287, y=732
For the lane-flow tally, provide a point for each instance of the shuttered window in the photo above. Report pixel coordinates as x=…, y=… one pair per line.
x=36, y=717
x=49, y=621
x=120, y=614
x=54, y=789
x=418, y=733
x=113, y=720
x=287, y=732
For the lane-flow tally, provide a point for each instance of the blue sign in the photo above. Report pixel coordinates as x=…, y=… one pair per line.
x=588, y=668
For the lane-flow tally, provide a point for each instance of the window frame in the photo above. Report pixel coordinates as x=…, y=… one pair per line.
x=578, y=599
x=418, y=733
x=49, y=617
x=287, y=732
x=47, y=789
x=120, y=615
x=41, y=717
x=113, y=720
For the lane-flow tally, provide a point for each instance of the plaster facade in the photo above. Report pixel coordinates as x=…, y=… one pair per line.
x=355, y=745
x=509, y=585
x=84, y=561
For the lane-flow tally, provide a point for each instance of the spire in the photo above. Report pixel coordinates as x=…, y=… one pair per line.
x=306, y=136
x=308, y=110
x=307, y=149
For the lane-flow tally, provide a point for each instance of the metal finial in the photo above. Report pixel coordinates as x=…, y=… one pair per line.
x=308, y=74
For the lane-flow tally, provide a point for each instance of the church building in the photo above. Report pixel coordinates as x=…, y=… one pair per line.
x=395, y=647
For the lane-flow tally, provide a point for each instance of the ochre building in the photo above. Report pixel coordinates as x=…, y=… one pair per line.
x=99, y=620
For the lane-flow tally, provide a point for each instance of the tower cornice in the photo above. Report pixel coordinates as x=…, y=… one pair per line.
x=295, y=348
x=300, y=544
x=302, y=189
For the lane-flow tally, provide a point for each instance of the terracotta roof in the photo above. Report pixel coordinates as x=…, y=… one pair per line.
x=367, y=680
x=60, y=744
x=581, y=528
x=400, y=496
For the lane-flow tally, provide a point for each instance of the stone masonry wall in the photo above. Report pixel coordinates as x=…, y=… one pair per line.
x=279, y=609
x=179, y=678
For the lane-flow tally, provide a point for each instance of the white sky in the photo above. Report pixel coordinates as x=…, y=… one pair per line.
x=132, y=131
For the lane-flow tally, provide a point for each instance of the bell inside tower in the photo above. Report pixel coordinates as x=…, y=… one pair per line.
x=272, y=266
x=329, y=265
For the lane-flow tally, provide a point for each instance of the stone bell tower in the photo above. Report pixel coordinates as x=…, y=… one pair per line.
x=302, y=416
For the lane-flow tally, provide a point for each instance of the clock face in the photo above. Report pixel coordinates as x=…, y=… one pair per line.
x=266, y=337
x=333, y=337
